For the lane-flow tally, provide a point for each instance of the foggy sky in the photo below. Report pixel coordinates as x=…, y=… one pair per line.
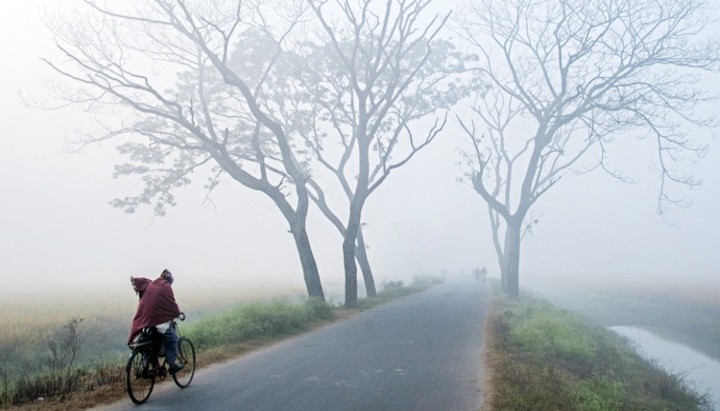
x=56, y=227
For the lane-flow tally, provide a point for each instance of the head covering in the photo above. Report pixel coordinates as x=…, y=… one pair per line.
x=167, y=275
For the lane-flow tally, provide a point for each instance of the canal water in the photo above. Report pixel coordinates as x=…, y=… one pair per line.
x=699, y=370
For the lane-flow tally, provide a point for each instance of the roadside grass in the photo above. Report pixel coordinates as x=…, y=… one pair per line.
x=544, y=358
x=255, y=321
x=219, y=335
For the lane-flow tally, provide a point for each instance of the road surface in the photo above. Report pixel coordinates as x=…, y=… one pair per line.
x=420, y=352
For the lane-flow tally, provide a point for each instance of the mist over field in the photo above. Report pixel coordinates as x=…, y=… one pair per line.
x=58, y=231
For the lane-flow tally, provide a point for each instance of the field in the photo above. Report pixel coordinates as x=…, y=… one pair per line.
x=688, y=314
x=29, y=321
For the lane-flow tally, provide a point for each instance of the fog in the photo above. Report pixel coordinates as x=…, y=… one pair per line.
x=57, y=230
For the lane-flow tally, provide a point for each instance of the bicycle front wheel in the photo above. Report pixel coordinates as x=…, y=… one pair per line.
x=186, y=356
x=139, y=378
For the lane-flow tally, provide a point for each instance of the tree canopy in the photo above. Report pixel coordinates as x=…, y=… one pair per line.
x=569, y=76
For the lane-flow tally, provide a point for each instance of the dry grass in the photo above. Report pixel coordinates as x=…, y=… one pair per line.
x=28, y=310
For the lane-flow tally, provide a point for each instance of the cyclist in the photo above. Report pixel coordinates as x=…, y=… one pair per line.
x=157, y=308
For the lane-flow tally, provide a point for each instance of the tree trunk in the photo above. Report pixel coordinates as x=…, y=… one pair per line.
x=494, y=217
x=349, y=245
x=350, y=269
x=296, y=219
x=503, y=273
x=308, y=263
x=360, y=250
x=362, y=259
x=511, y=254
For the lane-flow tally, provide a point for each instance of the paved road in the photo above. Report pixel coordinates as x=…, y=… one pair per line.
x=421, y=352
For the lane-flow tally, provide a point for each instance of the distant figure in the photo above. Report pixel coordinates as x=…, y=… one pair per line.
x=157, y=308
x=480, y=274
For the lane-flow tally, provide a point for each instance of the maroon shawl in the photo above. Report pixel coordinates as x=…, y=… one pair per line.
x=157, y=304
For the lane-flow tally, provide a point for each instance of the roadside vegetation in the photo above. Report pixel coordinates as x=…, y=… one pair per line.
x=541, y=357
x=45, y=365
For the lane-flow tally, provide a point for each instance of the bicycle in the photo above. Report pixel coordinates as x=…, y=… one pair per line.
x=144, y=367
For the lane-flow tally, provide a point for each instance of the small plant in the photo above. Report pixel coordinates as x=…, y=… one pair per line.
x=65, y=348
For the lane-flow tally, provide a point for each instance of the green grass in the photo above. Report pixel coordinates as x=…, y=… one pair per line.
x=545, y=358
x=257, y=321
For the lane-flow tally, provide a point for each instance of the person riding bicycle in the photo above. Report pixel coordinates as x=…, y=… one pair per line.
x=157, y=308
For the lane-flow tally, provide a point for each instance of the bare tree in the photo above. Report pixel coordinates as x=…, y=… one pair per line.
x=375, y=69
x=221, y=55
x=567, y=77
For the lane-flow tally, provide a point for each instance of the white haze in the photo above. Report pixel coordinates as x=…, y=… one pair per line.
x=57, y=229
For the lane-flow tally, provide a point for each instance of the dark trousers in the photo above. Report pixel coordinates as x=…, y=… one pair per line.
x=170, y=339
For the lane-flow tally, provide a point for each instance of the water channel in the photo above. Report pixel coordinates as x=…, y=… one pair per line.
x=699, y=370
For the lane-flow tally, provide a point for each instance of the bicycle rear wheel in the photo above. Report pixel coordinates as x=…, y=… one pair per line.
x=139, y=378
x=186, y=356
